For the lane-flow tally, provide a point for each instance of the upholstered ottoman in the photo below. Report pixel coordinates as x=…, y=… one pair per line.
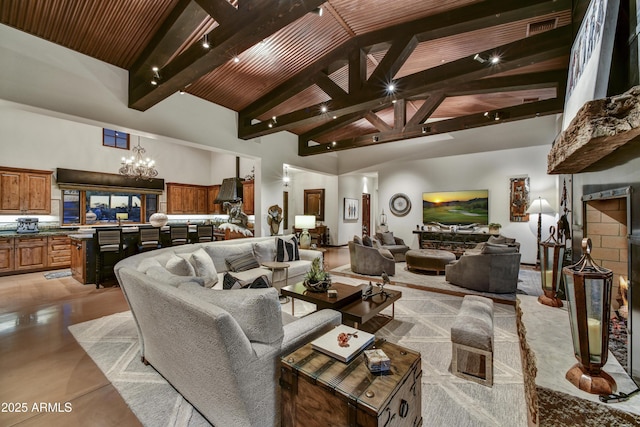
x=428, y=259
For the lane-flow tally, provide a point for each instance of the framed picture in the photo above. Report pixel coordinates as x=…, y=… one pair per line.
x=350, y=209
x=519, y=201
x=314, y=203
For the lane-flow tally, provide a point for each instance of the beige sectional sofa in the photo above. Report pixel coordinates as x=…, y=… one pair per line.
x=219, y=348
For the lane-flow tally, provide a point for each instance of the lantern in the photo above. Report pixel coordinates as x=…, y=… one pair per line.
x=588, y=289
x=551, y=256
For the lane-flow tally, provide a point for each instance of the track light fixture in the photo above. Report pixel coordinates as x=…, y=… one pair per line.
x=479, y=58
x=205, y=41
x=375, y=138
x=498, y=115
x=156, y=76
x=318, y=11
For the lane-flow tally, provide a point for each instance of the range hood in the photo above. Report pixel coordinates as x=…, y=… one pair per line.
x=230, y=191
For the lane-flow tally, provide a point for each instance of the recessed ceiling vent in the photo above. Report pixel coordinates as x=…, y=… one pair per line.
x=541, y=26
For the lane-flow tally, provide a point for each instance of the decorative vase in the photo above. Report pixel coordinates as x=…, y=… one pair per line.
x=317, y=286
x=158, y=219
x=91, y=217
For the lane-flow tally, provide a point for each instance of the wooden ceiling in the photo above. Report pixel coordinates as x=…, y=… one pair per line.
x=283, y=66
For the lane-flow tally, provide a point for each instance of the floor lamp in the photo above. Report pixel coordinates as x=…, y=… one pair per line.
x=539, y=207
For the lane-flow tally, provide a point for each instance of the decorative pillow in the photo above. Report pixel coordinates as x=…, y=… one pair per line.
x=205, y=268
x=492, y=248
x=366, y=241
x=161, y=274
x=242, y=262
x=387, y=238
x=264, y=251
x=376, y=243
x=287, y=249
x=180, y=266
x=147, y=263
x=385, y=253
x=357, y=240
x=230, y=282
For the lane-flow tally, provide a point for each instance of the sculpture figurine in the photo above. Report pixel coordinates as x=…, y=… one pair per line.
x=274, y=218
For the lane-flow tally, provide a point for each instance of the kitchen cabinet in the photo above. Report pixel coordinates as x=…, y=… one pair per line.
x=212, y=194
x=6, y=255
x=31, y=253
x=248, y=197
x=186, y=199
x=59, y=252
x=25, y=191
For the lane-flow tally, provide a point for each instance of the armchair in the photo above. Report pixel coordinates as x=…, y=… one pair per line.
x=370, y=260
x=393, y=244
x=494, y=268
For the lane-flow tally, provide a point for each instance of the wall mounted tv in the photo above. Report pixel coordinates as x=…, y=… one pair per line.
x=456, y=207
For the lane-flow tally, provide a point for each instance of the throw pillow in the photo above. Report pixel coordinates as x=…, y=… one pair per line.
x=387, y=239
x=242, y=262
x=205, y=268
x=357, y=240
x=366, y=241
x=493, y=248
x=264, y=251
x=287, y=249
x=180, y=266
x=231, y=282
x=386, y=253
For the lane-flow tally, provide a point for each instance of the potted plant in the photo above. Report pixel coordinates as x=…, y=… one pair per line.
x=317, y=279
x=494, y=228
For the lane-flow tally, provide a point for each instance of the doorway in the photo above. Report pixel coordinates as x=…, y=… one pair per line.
x=366, y=214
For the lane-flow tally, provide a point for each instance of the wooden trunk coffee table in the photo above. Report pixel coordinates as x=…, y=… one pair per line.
x=355, y=311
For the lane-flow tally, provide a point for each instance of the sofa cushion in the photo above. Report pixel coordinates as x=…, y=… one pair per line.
x=180, y=266
x=287, y=249
x=147, y=263
x=242, y=262
x=204, y=267
x=387, y=238
x=385, y=253
x=366, y=241
x=264, y=251
x=231, y=282
x=161, y=274
x=257, y=311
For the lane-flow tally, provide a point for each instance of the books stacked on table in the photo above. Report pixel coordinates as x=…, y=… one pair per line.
x=343, y=342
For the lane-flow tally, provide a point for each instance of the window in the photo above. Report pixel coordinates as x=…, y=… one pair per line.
x=113, y=138
x=106, y=207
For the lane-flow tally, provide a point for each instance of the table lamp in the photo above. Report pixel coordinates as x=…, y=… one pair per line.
x=305, y=222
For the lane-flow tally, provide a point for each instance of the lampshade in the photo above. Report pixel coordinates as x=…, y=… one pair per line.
x=540, y=206
x=305, y=221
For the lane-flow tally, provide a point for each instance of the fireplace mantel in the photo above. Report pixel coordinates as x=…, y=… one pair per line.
x=599, y=128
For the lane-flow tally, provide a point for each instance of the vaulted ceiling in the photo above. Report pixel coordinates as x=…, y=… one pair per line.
x=284, y=65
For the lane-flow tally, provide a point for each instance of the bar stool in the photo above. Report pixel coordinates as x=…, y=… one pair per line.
x=109, y=241
x=179, y=234
x=149, y=239
x=205, y=233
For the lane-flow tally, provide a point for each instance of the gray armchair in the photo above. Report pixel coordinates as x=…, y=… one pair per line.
x=370, y=260
x=494, y=268
x=393, y=244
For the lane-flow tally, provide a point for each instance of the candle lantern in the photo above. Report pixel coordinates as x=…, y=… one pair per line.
x=551, y=256
x=588, y=289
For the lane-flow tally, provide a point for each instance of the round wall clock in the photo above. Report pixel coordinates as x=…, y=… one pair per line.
x=400, y=205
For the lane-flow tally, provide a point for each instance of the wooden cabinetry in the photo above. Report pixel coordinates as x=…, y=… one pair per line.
x=212, y=194
x=31, y=253
x=79, y=260
x=186, y=199
x=25, y=191
x=248, y=197
x=6, y=254
x=59, y=251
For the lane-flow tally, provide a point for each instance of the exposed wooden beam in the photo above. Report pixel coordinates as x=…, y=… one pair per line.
x=520, y=53
x=377, y=122
x=357, y=69
x=399, y=114
x=330, y=87
x=251, y=24
x=469, y=18
x=519, y=112
x=393, y=60
x=220, y=10
x=427, y=108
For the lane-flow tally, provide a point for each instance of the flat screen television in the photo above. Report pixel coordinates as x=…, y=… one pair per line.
x=456, y=207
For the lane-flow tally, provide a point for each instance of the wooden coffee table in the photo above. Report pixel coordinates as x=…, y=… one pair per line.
x=355, y=311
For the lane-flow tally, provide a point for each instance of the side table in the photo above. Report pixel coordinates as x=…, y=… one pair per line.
x=275, y=266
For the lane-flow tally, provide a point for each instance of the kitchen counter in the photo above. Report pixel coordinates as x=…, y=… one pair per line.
x=7, y=234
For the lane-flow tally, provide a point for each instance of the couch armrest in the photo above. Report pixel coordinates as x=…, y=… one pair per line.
x=301, y=331
x=310, y=255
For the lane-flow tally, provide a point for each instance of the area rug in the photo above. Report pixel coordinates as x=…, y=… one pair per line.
x=528, y=282
x=57, y=274
x=422, y=322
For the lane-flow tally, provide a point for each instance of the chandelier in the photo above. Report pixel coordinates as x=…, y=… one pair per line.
x=138, y=167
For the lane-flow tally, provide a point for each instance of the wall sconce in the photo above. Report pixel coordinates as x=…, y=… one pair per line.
x=551, y=256
x=589, y=300
x=285, y=178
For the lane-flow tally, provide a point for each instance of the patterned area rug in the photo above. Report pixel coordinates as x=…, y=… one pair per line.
x=528, y=282
x=57, y=274
x=422, y=322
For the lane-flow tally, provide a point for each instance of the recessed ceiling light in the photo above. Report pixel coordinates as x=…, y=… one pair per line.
x=495, y=59
x=236, y=59
x=324, y=109
x=333, y=143
x=391, y=87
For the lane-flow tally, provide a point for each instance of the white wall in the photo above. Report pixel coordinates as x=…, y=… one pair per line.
x=479, y=171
